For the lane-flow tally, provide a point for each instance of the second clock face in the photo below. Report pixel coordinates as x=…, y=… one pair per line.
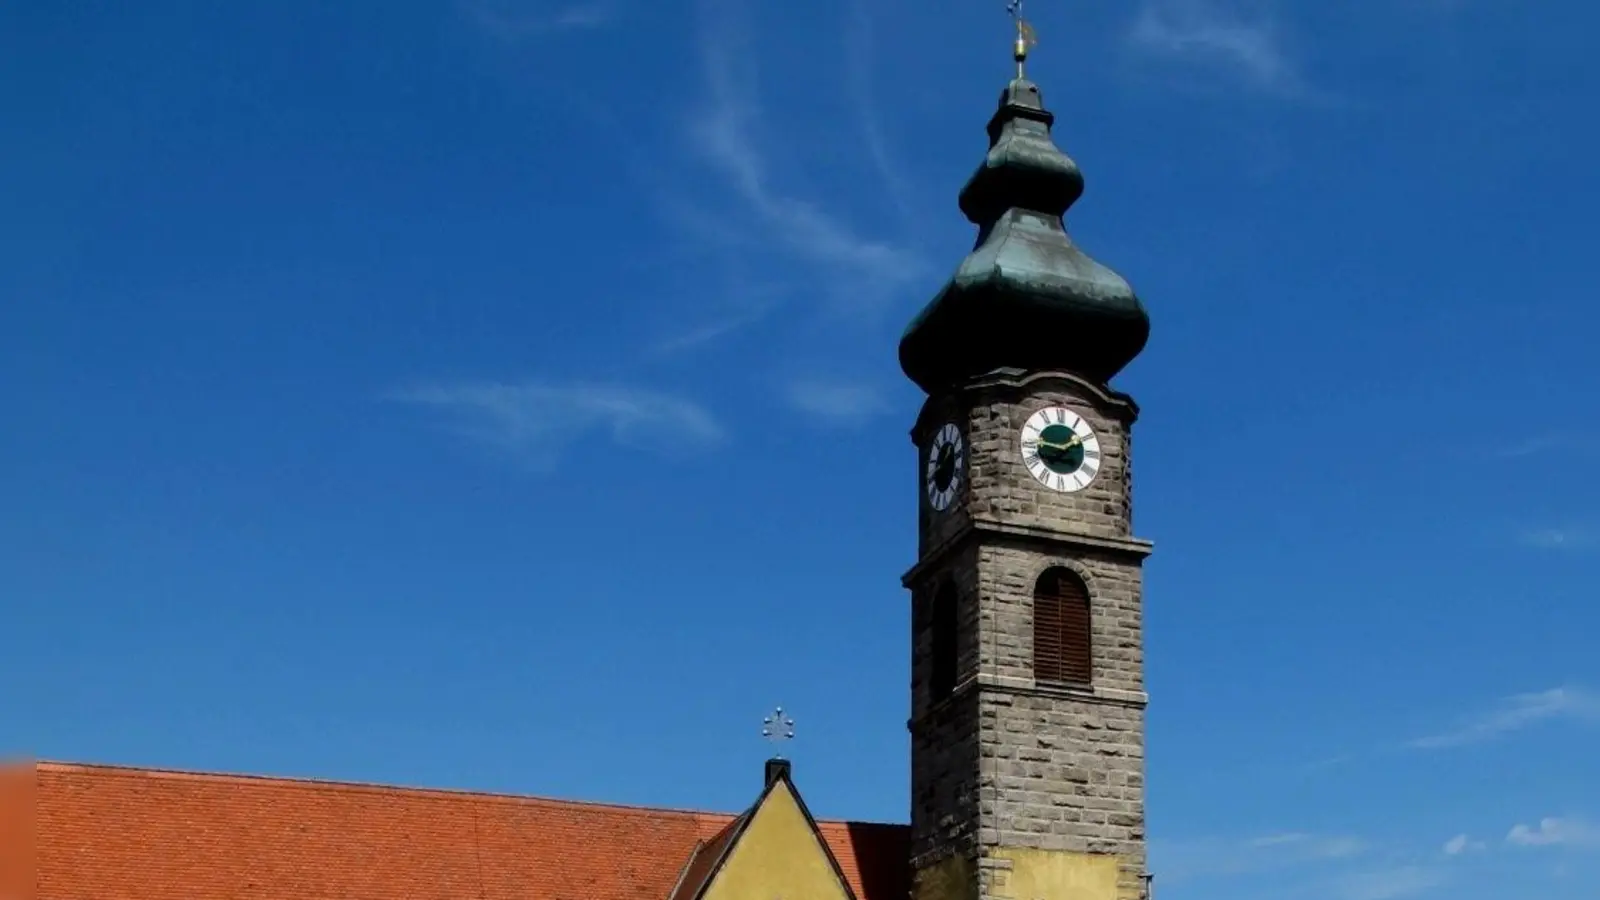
x=947, y=458
x=1060, y=450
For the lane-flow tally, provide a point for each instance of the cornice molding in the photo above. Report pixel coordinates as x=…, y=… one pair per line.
x=1006, y=533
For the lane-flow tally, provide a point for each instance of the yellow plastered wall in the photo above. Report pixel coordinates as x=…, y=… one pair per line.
x=1033, y=875
x=1056, y=875
x=778, y=856
x=948, y=879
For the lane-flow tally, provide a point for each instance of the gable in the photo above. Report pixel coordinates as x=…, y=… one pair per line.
x=703, y=864
x=778, y=855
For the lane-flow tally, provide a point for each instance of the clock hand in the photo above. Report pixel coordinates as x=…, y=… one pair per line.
x=1067, y=445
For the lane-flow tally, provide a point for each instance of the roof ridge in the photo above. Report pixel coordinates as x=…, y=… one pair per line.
x=131, y=771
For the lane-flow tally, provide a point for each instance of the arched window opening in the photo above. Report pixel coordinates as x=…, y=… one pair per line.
x=943, y=651
x=1061, y=629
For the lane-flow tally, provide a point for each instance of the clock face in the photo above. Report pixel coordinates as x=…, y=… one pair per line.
x=1060, y=450
x=947, y=461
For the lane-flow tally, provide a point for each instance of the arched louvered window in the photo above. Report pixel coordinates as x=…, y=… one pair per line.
x=1061, y=646
x=942, y=649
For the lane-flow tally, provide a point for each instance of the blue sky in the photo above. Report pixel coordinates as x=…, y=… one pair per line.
x=502, y=394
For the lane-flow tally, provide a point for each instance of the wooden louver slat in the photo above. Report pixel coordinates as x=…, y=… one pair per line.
x=1061, y=629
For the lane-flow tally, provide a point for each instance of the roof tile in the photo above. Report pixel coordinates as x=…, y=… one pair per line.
x=136, y=834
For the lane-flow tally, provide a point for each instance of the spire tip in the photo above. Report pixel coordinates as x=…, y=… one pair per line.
x=1026, y=37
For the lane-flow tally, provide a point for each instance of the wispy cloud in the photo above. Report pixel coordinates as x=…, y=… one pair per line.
x=533, y=422
x=860, y=54
x=1391, y=884
x=725, y=132
x=1210, y=857
x=1556, y=832
x=837, y=402
x=1512, y=714
x=705, y=332
x=513, y=21
x=1206, y=33
x=1327, y=762
x=1515, y=714
x=1461, y=845
x=1533, y=446
x=1568, y=538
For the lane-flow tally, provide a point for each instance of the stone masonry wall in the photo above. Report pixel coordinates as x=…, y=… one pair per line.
x=962, y=572
x=1008, y=762
x=997, y=486
x=1002, y=490
x=944, y=783
x=934, y=527
x=1007, y=574
x=1060, y=773
x=944, y=744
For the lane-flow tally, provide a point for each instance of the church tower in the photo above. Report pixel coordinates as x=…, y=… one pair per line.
x=1027, y=689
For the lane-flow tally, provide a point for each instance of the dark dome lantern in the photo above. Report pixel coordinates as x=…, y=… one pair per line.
x=1026, y=297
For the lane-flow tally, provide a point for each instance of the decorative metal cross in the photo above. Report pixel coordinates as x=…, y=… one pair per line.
x=1026, y=37
x=777, y=727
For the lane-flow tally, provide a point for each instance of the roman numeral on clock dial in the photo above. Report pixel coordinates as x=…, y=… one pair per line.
x=1060, y=449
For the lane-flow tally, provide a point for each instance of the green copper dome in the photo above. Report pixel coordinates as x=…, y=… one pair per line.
x=1026, y=297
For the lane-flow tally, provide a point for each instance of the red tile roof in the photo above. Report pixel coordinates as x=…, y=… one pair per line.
x=107, y=833
x=16, y=831
x=706, y=859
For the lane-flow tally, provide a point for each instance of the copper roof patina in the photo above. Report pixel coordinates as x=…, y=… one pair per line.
x=1026, y=297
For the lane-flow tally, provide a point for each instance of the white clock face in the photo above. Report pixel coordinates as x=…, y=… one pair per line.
x=947, y=463
x=1060, y=450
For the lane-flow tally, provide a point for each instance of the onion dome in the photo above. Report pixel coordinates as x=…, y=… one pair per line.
x=1026, y=297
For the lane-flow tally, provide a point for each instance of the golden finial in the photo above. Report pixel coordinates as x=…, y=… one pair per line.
x=1025, y=36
